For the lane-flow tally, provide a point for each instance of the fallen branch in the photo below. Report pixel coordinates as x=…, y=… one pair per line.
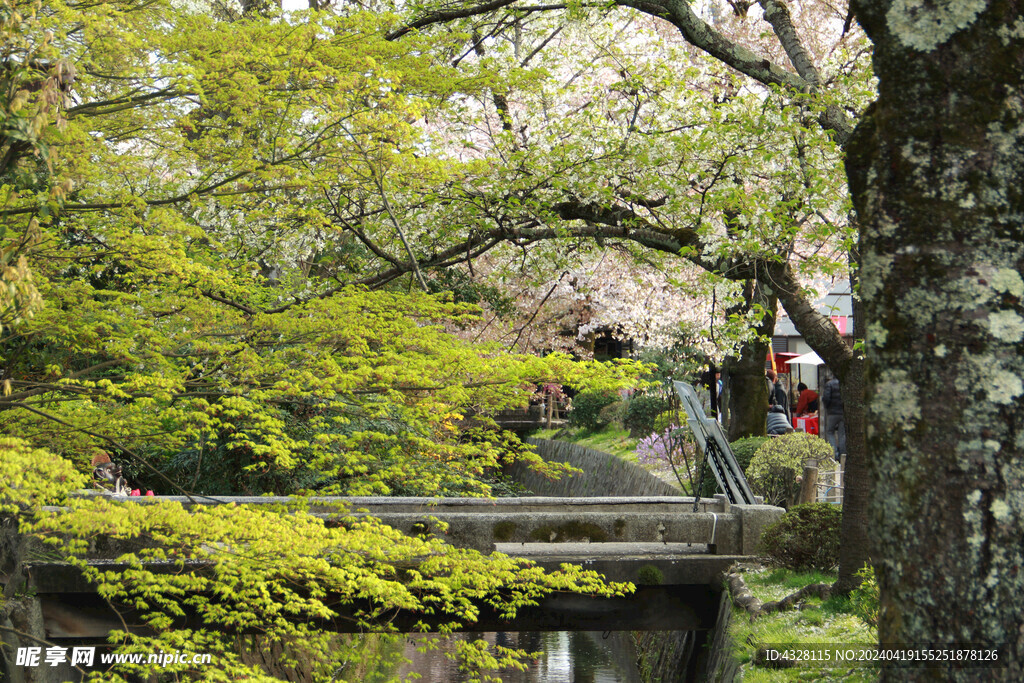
x=745, y=600
x=741, y=595
x=818, y=590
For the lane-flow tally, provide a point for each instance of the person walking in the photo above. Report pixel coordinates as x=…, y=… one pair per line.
x=835, y=432
x=776, y=394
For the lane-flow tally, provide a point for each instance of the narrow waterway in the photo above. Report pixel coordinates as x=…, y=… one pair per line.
x=558, y=657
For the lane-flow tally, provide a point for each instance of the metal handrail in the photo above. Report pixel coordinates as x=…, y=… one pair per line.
x=717, y=453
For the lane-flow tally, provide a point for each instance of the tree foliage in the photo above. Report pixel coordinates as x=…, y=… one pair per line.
x=200, y=304
x=212, y=225
x=280, y=573
x=724, y=149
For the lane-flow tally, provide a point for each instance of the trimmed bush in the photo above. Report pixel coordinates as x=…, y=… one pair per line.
x=806, y=537
x=774, y=469
x=641, y=412
x=587, y=406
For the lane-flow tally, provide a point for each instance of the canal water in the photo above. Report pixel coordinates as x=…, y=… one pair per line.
x=558, y=657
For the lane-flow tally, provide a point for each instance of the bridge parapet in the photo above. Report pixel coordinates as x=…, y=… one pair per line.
x=481, y=523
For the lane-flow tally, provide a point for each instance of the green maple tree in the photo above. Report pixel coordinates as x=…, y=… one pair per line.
x=190, y=224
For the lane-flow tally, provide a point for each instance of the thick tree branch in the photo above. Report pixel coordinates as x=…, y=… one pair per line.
x=817, y=329
x=777, y=14
x=100, y=108
x=701, y=35
x=837, y=121
x=441, y=16
x=209, y=294
x=696, y=31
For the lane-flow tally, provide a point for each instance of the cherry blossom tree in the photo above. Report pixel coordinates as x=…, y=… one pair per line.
x=704, y=148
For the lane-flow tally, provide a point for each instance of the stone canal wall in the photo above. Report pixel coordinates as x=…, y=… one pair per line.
x=669, y=656
x=603, y=474
x=721, y=666
x=663, y=655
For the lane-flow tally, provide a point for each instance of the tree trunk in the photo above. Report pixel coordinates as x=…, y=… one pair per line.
x=822, y=336
x=855, y=549
x=748, y=390
x=936, y=168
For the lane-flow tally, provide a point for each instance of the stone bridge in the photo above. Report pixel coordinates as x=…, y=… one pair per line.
x=625, y=539
x=612, y=517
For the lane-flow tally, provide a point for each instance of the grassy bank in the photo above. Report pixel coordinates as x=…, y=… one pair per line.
x=612, y=439
x=815, y=622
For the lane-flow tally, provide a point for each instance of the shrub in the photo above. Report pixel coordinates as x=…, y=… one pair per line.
x=669, y=418
x=745, y=448
x=773, y=470
x=674, y=447
x=806, y=537
x=864, y=599
x=641, y=412
x=612, y=413
x=586, y=409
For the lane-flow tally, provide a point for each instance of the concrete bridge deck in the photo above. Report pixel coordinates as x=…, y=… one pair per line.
x=685, y=599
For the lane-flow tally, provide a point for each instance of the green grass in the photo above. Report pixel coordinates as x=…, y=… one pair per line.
x=612, y=439
x=829, y=622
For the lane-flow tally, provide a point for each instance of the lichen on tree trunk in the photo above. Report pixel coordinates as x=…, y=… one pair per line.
x=936, y=169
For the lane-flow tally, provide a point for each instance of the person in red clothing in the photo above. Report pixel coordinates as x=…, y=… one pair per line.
x=807, y=402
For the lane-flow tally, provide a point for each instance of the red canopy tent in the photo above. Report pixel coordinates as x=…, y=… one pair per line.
x=781, y=361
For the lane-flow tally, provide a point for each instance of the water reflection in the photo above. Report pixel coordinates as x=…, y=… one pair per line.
x=561, y=657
